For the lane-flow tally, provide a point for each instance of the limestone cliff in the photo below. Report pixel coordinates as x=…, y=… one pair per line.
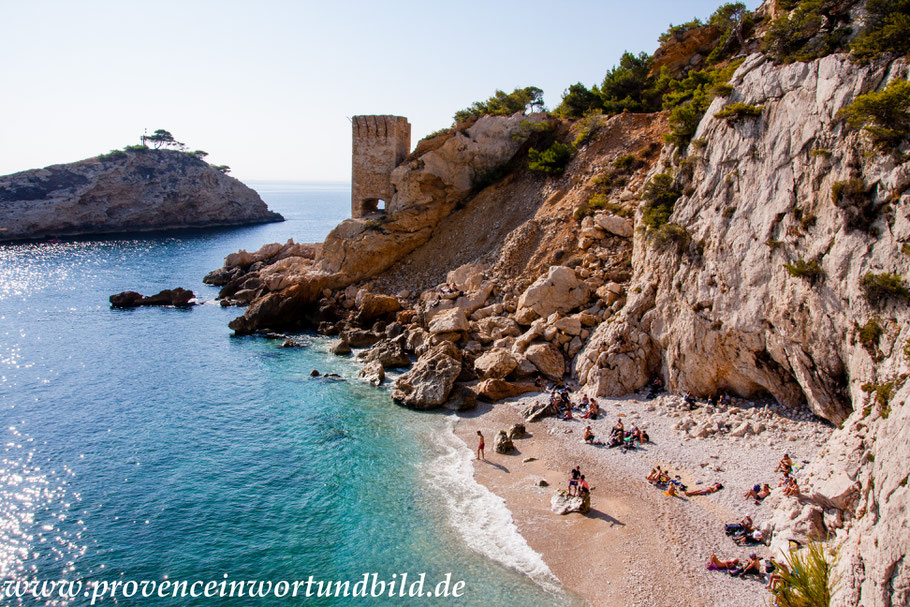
x=135, y=190
x=777, y=272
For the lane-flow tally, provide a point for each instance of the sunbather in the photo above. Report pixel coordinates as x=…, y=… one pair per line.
x=758, y=492
x=785, y=465
x=752, y=566
x=715, y=564
x=589, y=436
x=706, y=491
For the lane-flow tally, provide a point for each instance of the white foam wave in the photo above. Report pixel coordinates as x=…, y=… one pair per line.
x=480, y=516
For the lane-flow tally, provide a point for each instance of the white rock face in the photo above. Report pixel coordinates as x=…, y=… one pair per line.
x=135, y=191
x=723, y=313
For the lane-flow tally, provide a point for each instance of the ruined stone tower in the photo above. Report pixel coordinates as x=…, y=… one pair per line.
x=381, y=143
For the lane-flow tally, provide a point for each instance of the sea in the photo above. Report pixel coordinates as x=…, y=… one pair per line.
x=143, y=450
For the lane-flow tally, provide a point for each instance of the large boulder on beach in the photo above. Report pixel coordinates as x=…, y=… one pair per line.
x=536, y=411
x=502, y=443
x=563, y=503
x=548, y=360
x=428, y=384
x=495, y=389
x=452, y=320
x=373, y=305
x=497, y=362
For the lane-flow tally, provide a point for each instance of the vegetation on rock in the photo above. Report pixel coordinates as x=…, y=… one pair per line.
x=660, y=194
x=884, y=115
x=737, y=111
x=809, y=270
x=551, y=160
x=879, y=287
x=886, y=30
x=503, y=104
x=807, y=577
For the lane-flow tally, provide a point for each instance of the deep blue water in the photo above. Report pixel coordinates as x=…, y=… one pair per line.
x=149, y=444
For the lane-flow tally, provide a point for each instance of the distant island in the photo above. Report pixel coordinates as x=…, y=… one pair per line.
x=140, y=188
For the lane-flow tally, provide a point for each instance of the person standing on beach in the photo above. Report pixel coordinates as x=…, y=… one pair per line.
x=480, y=446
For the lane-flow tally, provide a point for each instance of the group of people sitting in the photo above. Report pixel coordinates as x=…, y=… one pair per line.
x=661, y=479
x=734, y=568
x=785, y=466
x=713, y=400
x=627, y=439
x=578, y=486
x=744, y=532
x=562, y=403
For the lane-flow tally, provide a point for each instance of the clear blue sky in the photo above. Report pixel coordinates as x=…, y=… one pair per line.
x=266, y=86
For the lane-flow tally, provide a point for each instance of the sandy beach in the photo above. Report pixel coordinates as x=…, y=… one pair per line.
x=637, y=546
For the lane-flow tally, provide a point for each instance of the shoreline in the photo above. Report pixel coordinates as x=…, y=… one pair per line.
x=637, y=545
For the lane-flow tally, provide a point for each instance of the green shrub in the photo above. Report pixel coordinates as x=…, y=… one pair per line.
x=660, y=194
x=881, y=392
x=773, y=244
x=588, y=126
x=738, y=111
x=845, y=192
x=628, y=86
x=883, y=115
x=671, y=233
x=222, y=168
x=503, y=104
x=879, y=287
x=807, y=577
x=551, y=160
x=809, y=270
x=721, y=90
x=870, y=334
x=112, y=155
x=627, y=162
x=136, y=148
x=905, y=248
x=819, y=153
x=887, y=25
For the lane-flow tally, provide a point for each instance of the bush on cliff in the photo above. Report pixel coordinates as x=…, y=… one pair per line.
x=887, y=30
x=551, y=160
x=813, y=29
x=660, y=194
x=504, y=104
x=879, y=287
x=884, y=115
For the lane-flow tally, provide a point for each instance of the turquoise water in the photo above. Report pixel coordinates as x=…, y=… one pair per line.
x=149, y=444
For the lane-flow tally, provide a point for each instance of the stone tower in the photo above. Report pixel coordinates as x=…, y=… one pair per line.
x=381, y=143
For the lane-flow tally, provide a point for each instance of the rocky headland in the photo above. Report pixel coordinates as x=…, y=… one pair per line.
x=137, y=189
x=761, y=253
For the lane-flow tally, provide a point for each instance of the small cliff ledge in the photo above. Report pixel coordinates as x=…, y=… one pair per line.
x=134, y=190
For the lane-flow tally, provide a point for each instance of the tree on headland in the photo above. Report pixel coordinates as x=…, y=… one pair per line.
x=162, y=138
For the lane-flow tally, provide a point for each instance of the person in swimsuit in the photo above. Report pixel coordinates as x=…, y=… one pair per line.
x=585, y=488
x=573, y=481
x=480, y=446
x=706, y=491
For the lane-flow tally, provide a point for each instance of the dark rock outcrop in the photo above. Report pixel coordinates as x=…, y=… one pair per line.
x=178, y=297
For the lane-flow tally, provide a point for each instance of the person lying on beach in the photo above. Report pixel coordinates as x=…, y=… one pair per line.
x=758, y=493
x=706, y=491
x=750, y=538
x=752, y=566
x=715, y=564
x=785, y=465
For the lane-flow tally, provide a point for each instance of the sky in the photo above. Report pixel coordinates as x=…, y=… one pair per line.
x=267, y=87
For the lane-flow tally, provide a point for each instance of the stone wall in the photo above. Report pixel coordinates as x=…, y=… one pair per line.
x=380, y=144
